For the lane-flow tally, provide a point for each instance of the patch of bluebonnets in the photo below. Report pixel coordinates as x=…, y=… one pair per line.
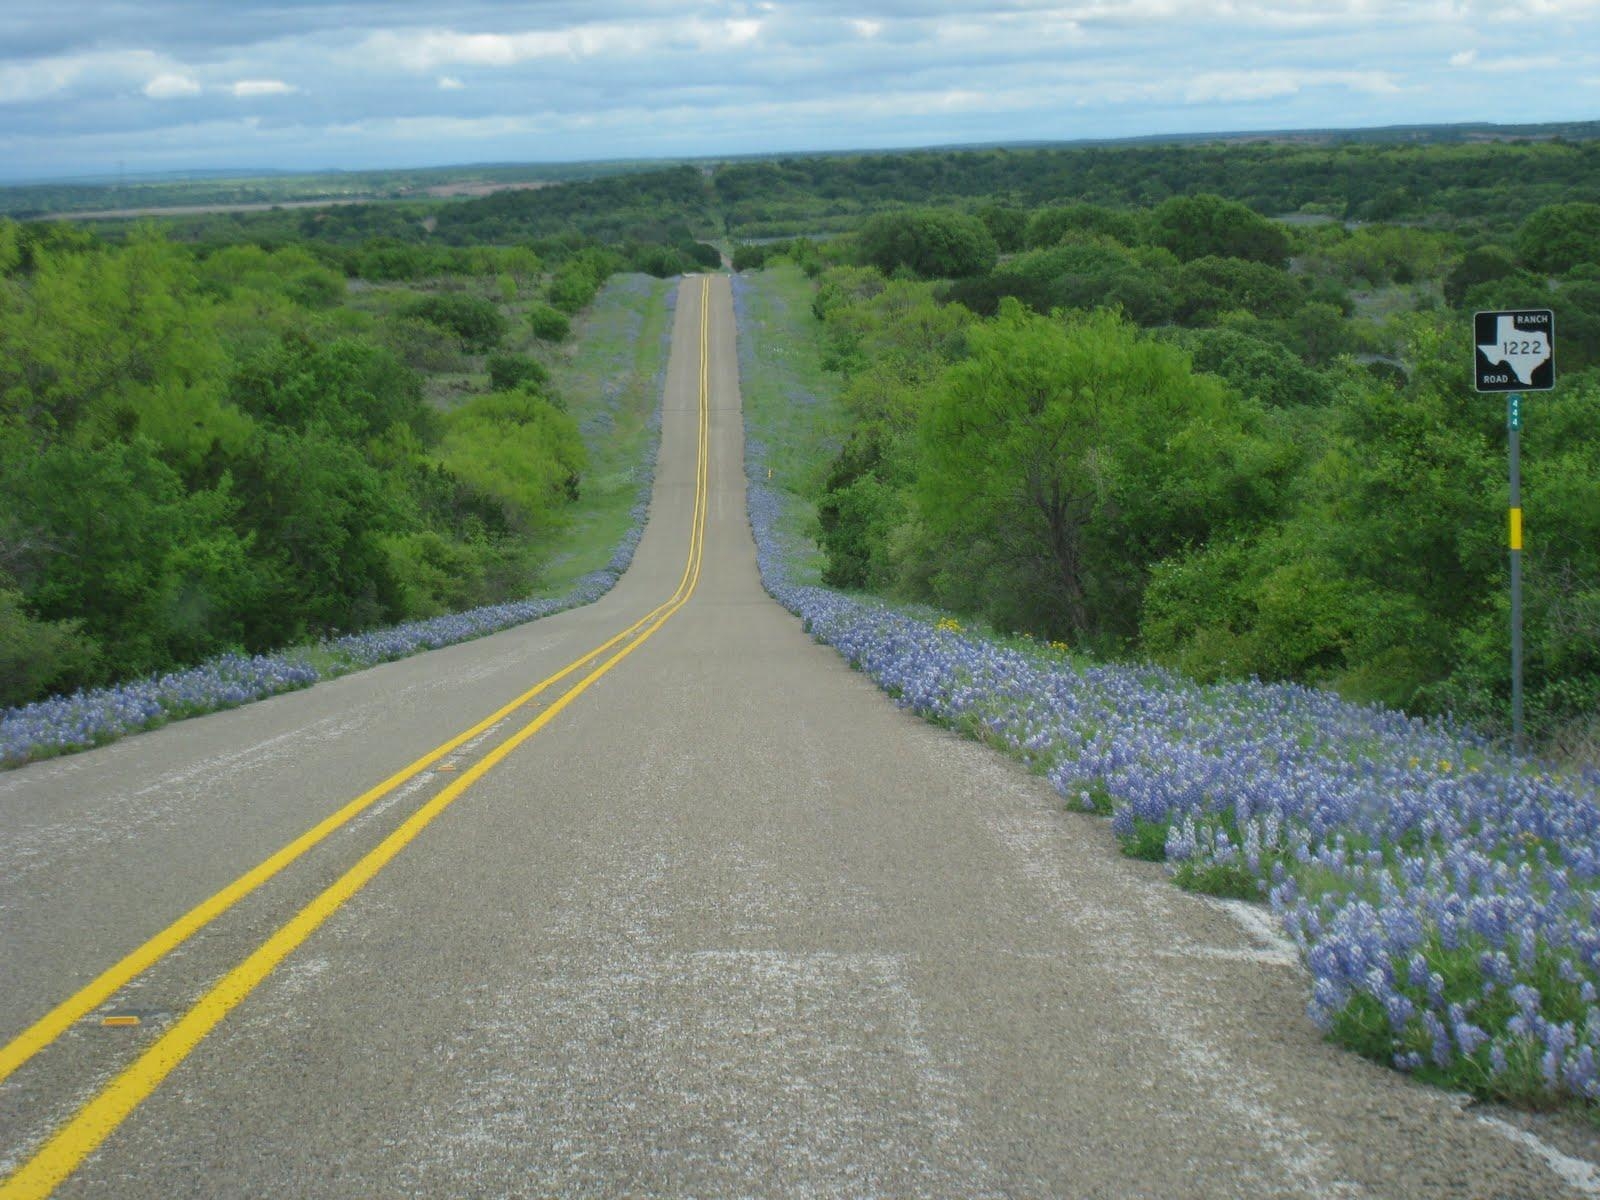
x=1444, y=897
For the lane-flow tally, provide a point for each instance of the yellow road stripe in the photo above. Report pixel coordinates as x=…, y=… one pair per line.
x=100, y=1117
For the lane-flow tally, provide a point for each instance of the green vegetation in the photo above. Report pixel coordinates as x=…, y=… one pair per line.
x=788, y=394
x=231, y=449
x=1235, y=446
x=1094, y=394
x=612, y=384
x=26, y=200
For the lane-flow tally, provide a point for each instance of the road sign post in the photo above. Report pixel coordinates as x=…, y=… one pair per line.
x=1514, y=438
x=1516, y=352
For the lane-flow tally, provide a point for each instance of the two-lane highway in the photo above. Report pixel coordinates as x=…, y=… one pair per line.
x=704, y=915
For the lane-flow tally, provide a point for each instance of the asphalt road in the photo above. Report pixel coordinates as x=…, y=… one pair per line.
x=728, y=924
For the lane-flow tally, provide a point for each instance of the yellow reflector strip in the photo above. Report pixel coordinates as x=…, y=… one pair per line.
x=1516, y=529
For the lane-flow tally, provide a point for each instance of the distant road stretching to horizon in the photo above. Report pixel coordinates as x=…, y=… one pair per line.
x=651, y=898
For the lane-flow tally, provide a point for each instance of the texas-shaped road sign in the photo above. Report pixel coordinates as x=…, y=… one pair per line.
x=1516, y=350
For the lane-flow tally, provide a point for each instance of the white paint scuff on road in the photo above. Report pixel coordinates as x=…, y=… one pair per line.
x=1272, y=947
x=1577, y=1174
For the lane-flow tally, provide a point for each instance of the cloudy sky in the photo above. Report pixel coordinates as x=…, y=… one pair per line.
x=105, y=86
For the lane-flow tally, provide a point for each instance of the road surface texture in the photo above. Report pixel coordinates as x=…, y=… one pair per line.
x=729, y=924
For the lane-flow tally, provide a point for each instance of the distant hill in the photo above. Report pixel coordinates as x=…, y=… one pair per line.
x=501, y=199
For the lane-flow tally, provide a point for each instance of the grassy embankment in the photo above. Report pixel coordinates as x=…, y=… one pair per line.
x=611, y=378
x=791, y=402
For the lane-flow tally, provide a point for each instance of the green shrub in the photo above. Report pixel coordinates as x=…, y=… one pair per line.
x=476, y=321
x=549, y=324
x=508, y=372
x=39, y=657
x=932, y=243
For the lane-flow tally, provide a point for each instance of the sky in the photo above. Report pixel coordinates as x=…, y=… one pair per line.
x=111, y=87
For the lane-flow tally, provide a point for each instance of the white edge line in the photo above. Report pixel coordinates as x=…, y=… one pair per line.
x=1578, y=1174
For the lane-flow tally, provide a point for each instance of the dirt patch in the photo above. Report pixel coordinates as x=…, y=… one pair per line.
x=483, y=189
x=191, y=210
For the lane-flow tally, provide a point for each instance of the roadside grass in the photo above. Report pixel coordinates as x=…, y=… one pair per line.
x=789, y=397
x=1445, y=899
x=610, y=378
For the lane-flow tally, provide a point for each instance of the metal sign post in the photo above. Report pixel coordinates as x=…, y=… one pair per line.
x=1514, y=436
x=1516, y=352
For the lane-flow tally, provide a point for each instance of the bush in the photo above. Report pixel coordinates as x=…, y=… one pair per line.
x=752, y=256
x=508, y=372
x=39, y=657
x=1049, y=225
x=422, y=345
x=1559, y=237
x=1257, y=367
x=1209, y=226
x=1484, y=264
x=1207, y=287
x=578, y=280
x=476, y=321
x=549, y=324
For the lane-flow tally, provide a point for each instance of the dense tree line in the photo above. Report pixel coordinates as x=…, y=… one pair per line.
x=1190, y=433
x=1486, y=187
x=210, y=450
x=1494, y=185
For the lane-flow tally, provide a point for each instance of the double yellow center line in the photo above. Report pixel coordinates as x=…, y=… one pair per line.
x=100, y=1117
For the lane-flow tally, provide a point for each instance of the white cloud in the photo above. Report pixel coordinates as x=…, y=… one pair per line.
x=1526, y=64
x=1233, y=86
x=626, y=77
x=21, y=82
x=170, y=85
x=429, y=49
x=25, y=81
x=262, y=87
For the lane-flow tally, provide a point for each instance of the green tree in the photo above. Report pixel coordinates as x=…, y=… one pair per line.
x=1207, y=287
x=1080, y=271
x=352, y=387
x=1048, y=226
x=1006, y=225
x=1480, y=265
x=319, y=513
x=1072, y=455
x=1257, y=367
x=549, y=324
x=508, y=372
x=520, y=450
x=1209, y=226
x=932, y=243
x=108, y=539
x=1559, y=237
x=476, y=321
